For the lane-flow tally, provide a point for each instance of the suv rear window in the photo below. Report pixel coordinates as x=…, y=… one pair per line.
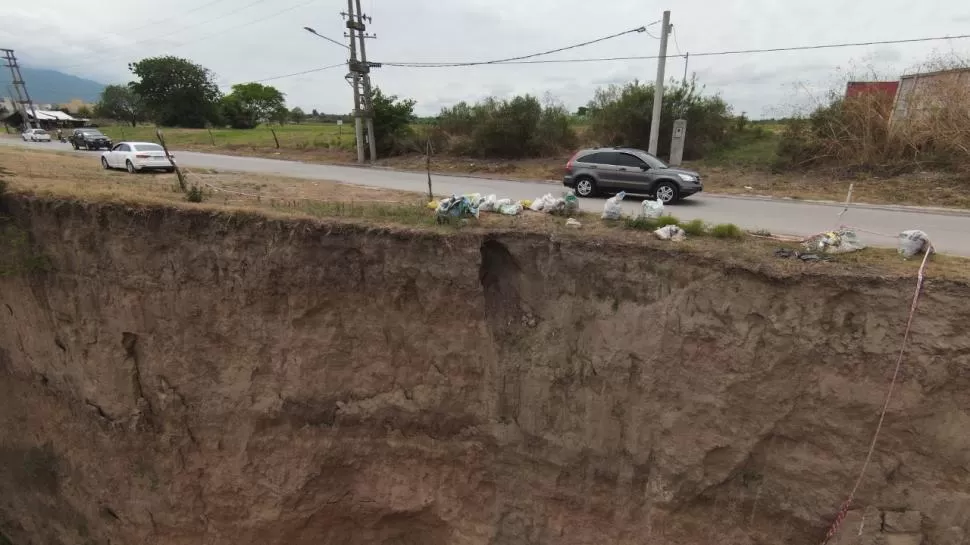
x=601, y=158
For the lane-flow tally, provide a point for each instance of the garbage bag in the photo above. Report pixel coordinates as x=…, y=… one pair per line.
x=538, y=205
x=651, y=209
x=913, y=242
x=572, y=203
x=501, y=202
x=457, y=207
x=671, y=232
x=488, y=203
x=574, y=223
x=842, y=241
x=612, y=210
x=555, y=206
x=510, y=209
x=433, y=205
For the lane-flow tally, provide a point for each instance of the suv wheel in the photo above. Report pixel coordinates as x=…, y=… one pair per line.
x=667, y=192
x=585, y=187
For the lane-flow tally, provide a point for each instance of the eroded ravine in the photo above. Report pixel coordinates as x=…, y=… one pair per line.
x=177, y=377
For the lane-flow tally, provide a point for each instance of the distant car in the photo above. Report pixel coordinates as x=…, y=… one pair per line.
x=89, y=139
x=36, y=135
x=137, y=156
x=611, y=170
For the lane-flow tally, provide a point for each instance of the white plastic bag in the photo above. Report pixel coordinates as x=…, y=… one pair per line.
x=500, y=203
x=488, y=204
x=842, y=241
x=511, y=209
x=651, y=209
x=913, y=242
x=574, y=223
x=540, y=204
x=612, y=210
x=671, y=232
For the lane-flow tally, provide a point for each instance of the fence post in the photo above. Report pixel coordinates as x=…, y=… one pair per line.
x=427, y=155
x=212, y=139
x=178, y=171
x=277, y=140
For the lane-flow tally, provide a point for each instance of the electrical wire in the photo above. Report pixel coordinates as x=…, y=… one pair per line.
x=707, y=54
x=676, y=45
x=310, y=71
x=512, y=59
x=203, y=38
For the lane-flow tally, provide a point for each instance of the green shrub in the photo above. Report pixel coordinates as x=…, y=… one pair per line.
x=392, y=124
x=620, y=116
x=664, y=221
x=195, y=194
x=694, y=228
x=640, y=224
x=726, y=230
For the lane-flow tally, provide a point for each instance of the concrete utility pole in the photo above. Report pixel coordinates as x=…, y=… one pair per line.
x=354, y=77
x=368, y=91
x=360, y=79
x=20, y=95
x=658, y=94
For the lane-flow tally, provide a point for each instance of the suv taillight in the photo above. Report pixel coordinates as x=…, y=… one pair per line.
x=569, y=163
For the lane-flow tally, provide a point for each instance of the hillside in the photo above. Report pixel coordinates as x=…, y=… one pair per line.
x=52, y=86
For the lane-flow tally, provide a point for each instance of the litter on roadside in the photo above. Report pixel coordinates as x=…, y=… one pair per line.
x=574, y=223
x=612, y=210
x=842, y=241
x=786, y=253
x=538, y=205
x=433, y=205
x=510, y=208
x=457, y=207
x=913, y=242
x=488, y=204
x=651, y=209
x=671, y=232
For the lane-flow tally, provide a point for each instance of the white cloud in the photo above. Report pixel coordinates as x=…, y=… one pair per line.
x=249, y=40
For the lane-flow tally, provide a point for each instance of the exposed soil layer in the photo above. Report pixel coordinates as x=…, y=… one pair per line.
x=177, y=377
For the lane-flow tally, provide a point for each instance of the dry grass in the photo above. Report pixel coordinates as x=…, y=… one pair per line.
x=67, y=176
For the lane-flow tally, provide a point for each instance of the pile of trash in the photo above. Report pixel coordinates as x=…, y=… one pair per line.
x=471, y=205
x=842, y=241
x=913, y=242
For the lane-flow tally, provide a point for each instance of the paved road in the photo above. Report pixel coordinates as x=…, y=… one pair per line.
x=950, y=233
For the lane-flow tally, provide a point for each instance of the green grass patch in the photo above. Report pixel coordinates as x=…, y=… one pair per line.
x=752, y=148
x=694, y=228
x=664, y=221
x=726, y=230
x=640, y=224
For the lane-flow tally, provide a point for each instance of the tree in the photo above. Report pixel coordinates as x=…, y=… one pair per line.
x=175, y=91
x=84, y=111
x=250, y=104
x=297, y=115
x=620, y=116
x=315, y=113
x=392, y=123
x=120, y=102
x=582, y=111
x=280, y=115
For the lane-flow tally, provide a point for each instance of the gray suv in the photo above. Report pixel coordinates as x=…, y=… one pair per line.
x=611, y=170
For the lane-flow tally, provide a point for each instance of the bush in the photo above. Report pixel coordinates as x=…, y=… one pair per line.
x=508, y=129
x=640, y=224
x=392, y=124
x=694, y=228
x=194, y=194
x=620, y=116
x=664, y=221
x=726, y=230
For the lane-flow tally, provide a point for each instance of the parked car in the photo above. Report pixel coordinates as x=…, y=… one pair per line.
x=137, y=156
x=36, y=135
x=89, y=139
x=610, y=170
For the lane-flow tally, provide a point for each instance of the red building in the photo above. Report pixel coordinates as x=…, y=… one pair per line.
x=862, y=88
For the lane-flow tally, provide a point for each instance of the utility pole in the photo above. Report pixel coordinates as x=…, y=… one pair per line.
x=658, y=93
x=20, y=96
x=354, y=77
x=360, y=79
x=368, y=91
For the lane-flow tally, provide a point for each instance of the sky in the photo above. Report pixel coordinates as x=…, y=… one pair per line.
x=246, y=40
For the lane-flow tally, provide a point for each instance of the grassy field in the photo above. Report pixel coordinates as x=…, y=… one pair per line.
x=291, y=137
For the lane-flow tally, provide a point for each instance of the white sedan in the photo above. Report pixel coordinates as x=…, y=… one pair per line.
x=136, y=156
x=36, y=135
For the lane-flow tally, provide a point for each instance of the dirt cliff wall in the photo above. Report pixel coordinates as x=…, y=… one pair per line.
x=178, y=377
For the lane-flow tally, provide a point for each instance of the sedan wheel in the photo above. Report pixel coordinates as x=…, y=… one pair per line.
x=130, y=167
x=104, y=163
x=585, y=187
x=666, y=192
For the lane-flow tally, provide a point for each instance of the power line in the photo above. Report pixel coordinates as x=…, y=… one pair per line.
x=310, y=71
x=707, y=54
x=676, y=45
x=510, y=60
x=203, y=38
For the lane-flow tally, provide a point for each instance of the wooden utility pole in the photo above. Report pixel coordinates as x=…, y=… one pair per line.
x=353, y=68
x=658, y=92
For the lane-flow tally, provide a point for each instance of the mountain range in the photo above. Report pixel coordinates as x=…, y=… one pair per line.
x=52, y=86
